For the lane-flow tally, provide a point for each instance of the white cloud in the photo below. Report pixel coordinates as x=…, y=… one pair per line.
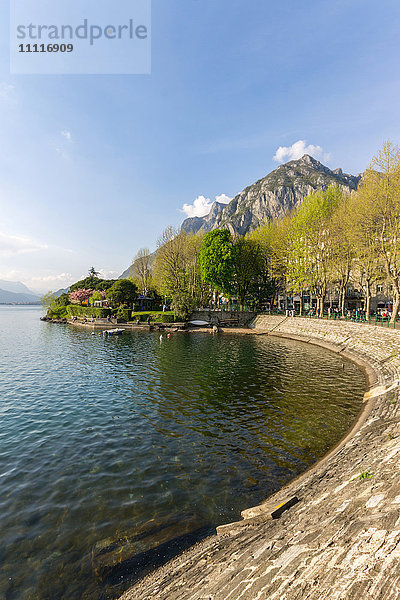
x=104, y=274
x=66, y=134
x=223, y=199
x=297, y=150
x=42, y=284
x=202, y=205
x=12, y=245
x=60, y=278
x=49, y=282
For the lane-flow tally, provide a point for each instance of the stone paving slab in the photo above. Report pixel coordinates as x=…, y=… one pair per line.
x=342, y=539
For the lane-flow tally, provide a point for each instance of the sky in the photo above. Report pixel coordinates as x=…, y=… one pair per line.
x=94, y=167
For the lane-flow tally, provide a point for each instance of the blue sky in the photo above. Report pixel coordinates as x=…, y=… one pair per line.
x=93, y=167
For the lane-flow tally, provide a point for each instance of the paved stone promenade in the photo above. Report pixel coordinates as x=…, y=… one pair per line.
x=342, y=538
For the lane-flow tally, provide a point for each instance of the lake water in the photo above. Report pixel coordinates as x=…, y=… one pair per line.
x=110, y=447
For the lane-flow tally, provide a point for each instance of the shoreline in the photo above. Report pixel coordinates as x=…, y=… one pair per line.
x=182, y=578
x=168, y=327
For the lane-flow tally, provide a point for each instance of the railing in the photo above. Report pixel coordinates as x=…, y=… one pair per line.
x=375, y=320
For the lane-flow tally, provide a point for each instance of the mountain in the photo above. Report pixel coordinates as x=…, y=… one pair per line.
x=60, y=292
x=130, y=271
x=15, y=292
x=273, y=196
x=194, y=224
x=269, y=198
x=7, y=297
x=16, y=287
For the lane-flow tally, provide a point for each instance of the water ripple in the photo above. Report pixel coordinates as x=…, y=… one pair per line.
x=103, y=440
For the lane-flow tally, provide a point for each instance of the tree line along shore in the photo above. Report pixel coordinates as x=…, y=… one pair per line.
x=332, y=240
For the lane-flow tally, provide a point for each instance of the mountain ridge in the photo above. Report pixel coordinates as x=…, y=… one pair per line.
x=7, y=297
x=273, y=196
x=193, y=224
x=270, y=197
x=16, y=292
x=17, y=287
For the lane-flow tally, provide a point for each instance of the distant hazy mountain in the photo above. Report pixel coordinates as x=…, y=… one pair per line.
x=60, y=292
x=15, y=286
x=15, y=292
x=273, y=196
x=7, y=297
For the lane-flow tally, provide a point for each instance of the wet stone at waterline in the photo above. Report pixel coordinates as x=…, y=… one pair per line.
x=116, y=453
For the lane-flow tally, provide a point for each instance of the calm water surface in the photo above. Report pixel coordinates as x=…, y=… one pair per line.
x=109, y=447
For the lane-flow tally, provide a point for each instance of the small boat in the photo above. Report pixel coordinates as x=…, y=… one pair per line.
x=113, y=331
x=199, y=323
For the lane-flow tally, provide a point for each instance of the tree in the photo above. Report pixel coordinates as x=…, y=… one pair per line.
x=56, y=307
x=97, y=296
x=297, y=256
x=63, y=300
x=177, y=272
x=141, y=269
x=379, y=193
x=48, y=299
x=247, y=266
x=367, y=264
x=93, y=273
x=342, y=248
x=271, y=237
x=93, y=283
x=216, y=259
x=310, y=254
x=123, y=291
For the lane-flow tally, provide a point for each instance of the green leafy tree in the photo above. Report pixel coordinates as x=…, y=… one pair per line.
x=297, y=257
x=92, y=283
x=93, y=273
x=248, y=264
x=217, y=261
x=271, y=237
x=309, y=246
x=379, y=193
x=367, y=265
x=97, y=296
x=177, y=271
x=342, y=248
x=123, y=291
x=63, y=300
x=48, y=299
x=56, y=307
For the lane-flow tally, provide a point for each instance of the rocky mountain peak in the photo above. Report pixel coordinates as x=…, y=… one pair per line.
x=194, y=224
x=309, y=160
x=272, y=196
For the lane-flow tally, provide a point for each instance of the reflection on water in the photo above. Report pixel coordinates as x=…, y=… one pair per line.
x=112, y=447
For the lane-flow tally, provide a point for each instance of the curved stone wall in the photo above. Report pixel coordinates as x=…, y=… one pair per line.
x=339, y=536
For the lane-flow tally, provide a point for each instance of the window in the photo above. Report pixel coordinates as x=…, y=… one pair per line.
x=379, y=288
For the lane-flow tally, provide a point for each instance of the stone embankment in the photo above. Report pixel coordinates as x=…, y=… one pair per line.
x=340, y=535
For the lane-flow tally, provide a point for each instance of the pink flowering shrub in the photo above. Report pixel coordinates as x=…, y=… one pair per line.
x=79, y=296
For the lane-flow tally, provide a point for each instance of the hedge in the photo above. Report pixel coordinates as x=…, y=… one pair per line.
x=124, y=314
x=57, y=312
x=75, y=310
